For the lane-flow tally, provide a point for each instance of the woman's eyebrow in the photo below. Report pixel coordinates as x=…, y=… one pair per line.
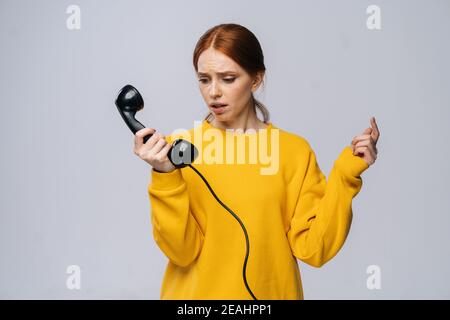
x=219, y=73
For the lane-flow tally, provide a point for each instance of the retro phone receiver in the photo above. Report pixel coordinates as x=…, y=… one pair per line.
x=128, y=102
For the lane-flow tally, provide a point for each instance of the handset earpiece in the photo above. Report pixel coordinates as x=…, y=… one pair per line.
x=128, y=102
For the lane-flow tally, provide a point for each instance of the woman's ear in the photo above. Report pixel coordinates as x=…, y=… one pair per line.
x=257, y=80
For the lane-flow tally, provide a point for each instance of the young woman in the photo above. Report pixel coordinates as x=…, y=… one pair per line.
x=290, y=212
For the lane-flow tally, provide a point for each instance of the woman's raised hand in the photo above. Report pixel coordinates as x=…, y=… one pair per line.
x=365, y=145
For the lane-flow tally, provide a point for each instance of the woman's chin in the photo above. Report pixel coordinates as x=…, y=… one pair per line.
x=222, y=116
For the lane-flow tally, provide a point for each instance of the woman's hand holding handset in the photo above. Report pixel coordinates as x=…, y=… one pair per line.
x=154, y=151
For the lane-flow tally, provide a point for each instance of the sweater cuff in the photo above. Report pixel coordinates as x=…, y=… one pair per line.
x=350, y=164
x=166, y=180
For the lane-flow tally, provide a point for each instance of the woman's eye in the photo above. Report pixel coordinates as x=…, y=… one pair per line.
x=229, y=80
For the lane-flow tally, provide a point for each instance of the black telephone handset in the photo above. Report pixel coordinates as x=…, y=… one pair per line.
x=128, y=102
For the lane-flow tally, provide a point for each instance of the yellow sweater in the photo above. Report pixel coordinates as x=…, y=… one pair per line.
x=290, y=211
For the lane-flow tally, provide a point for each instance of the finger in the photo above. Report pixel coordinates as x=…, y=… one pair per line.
x=367, y=143
x=164, y=151
x=365, y=151
x=376, y=131
x=139, y=136
x=149, y=144
x=365, y=138
x=145, y=131
x=158, y=146
x=153, y=140
x=360, y=137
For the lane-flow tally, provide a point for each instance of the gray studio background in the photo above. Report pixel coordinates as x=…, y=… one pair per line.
x=73, y=192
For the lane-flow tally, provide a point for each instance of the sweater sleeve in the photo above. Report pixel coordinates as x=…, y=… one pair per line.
x=323, y=209
x=175, y=229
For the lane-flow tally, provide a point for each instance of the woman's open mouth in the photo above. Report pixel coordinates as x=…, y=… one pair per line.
x=218, y=108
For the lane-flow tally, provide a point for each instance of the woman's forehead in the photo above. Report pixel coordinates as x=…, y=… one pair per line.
x=213, y=61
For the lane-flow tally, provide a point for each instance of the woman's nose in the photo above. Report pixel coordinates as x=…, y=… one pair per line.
x=214, y=90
